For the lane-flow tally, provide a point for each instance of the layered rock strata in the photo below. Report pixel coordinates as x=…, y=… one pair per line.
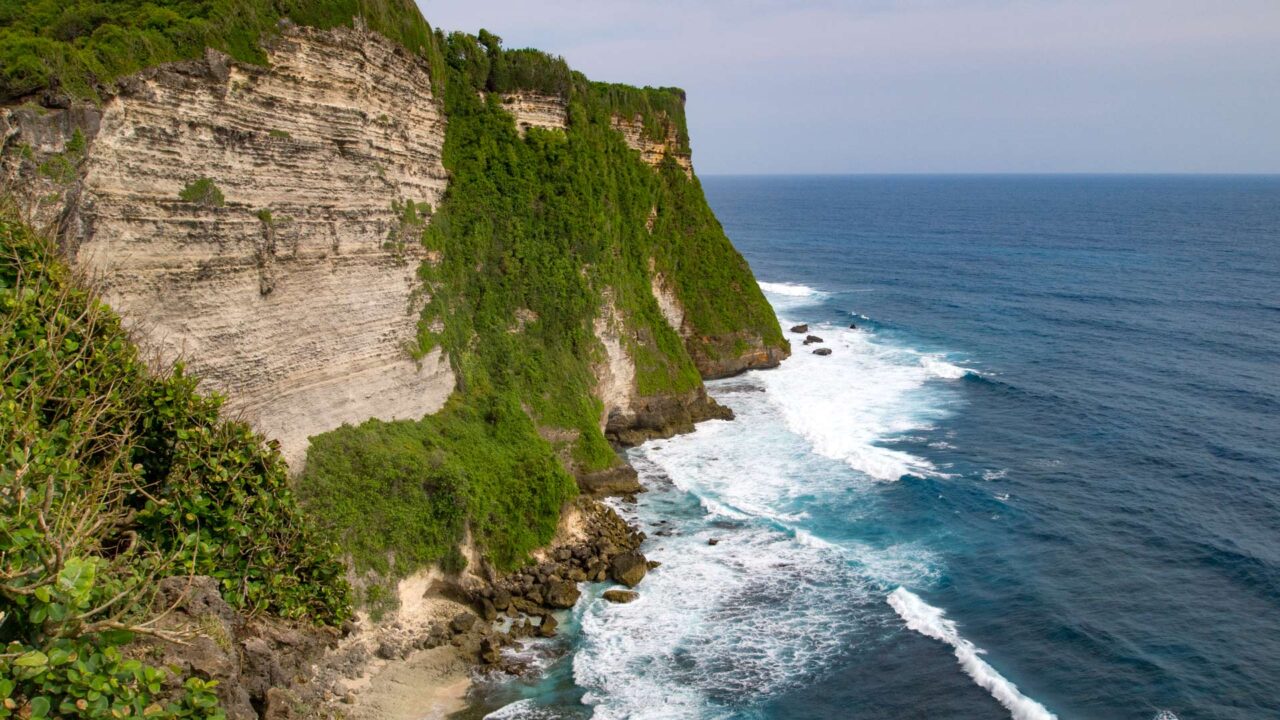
x=292, y=287
x=549, y=112
x=653, y=152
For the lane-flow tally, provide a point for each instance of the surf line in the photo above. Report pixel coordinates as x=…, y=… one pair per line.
x=932, y=622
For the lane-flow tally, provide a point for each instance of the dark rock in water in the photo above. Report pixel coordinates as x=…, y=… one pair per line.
x=562, y=594
x=853, y=326
x=620, y=596
x=462, y=622
x=628, y=568
x=621, y=480
x=548, y=626
x=661, y=416
x=801, y=329
x=653, y=564
x=810, y=339
x=490, y=650
x=713, y=541
x=822, y=351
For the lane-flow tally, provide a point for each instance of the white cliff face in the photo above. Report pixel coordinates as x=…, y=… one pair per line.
x=616, y=372
x=549, y=112
x=295, y=298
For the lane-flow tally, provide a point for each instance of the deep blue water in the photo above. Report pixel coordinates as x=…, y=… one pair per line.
x=1054, y=436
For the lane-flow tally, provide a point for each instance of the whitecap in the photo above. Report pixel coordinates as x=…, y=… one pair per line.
x=521, y=710
x=942, y=369
x=788, y=289
x=932, y=622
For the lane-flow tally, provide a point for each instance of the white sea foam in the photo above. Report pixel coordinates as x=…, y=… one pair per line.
x=721, y=627
x=865, y=394
x=788, y=289
x=521, y=710
x=932, y=622
x=940, y=368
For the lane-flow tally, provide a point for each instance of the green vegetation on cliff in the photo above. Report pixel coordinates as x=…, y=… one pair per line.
x=111, y=477
x=80, y=46
x=537, y=236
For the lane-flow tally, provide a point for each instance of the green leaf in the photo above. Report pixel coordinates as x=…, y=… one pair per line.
x=34, y=658
x=76, y=578
x=40, y=707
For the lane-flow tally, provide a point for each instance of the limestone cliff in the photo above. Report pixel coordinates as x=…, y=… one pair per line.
x=295, y=297
x=296, y=294
x=652, y=151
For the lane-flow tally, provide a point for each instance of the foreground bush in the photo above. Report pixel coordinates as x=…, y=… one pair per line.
x=111, y=477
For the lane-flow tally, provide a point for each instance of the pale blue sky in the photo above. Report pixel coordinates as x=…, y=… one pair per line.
x=932, y=85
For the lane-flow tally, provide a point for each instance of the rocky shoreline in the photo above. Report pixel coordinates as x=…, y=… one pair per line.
x=420, y=660
x=417, y=662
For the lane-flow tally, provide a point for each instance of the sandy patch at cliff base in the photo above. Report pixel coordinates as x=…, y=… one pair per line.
x=420, y=608
x=426, y=685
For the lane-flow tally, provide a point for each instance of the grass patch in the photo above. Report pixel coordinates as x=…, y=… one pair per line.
x=202, y=191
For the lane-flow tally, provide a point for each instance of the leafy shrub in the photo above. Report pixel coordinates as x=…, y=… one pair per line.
x=81, y=46
x=202, y=191
x=409, y=488
x=112, y=476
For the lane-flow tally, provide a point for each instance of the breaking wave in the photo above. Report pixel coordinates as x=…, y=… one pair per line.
x=932, y=622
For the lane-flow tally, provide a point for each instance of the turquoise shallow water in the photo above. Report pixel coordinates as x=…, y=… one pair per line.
x=1052, y=438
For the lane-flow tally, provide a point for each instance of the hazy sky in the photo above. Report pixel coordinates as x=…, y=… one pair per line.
x=869, y=86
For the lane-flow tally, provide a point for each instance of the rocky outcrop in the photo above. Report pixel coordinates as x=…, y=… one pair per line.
x=662, y=416
x=715, y=357
x=257, y=662
x=293, y=294
x=549, y=112
x=619, y=480
x=629, y=418
x=652, y=151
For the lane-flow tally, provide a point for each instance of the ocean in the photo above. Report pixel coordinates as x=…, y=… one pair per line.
x=1040, y=478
